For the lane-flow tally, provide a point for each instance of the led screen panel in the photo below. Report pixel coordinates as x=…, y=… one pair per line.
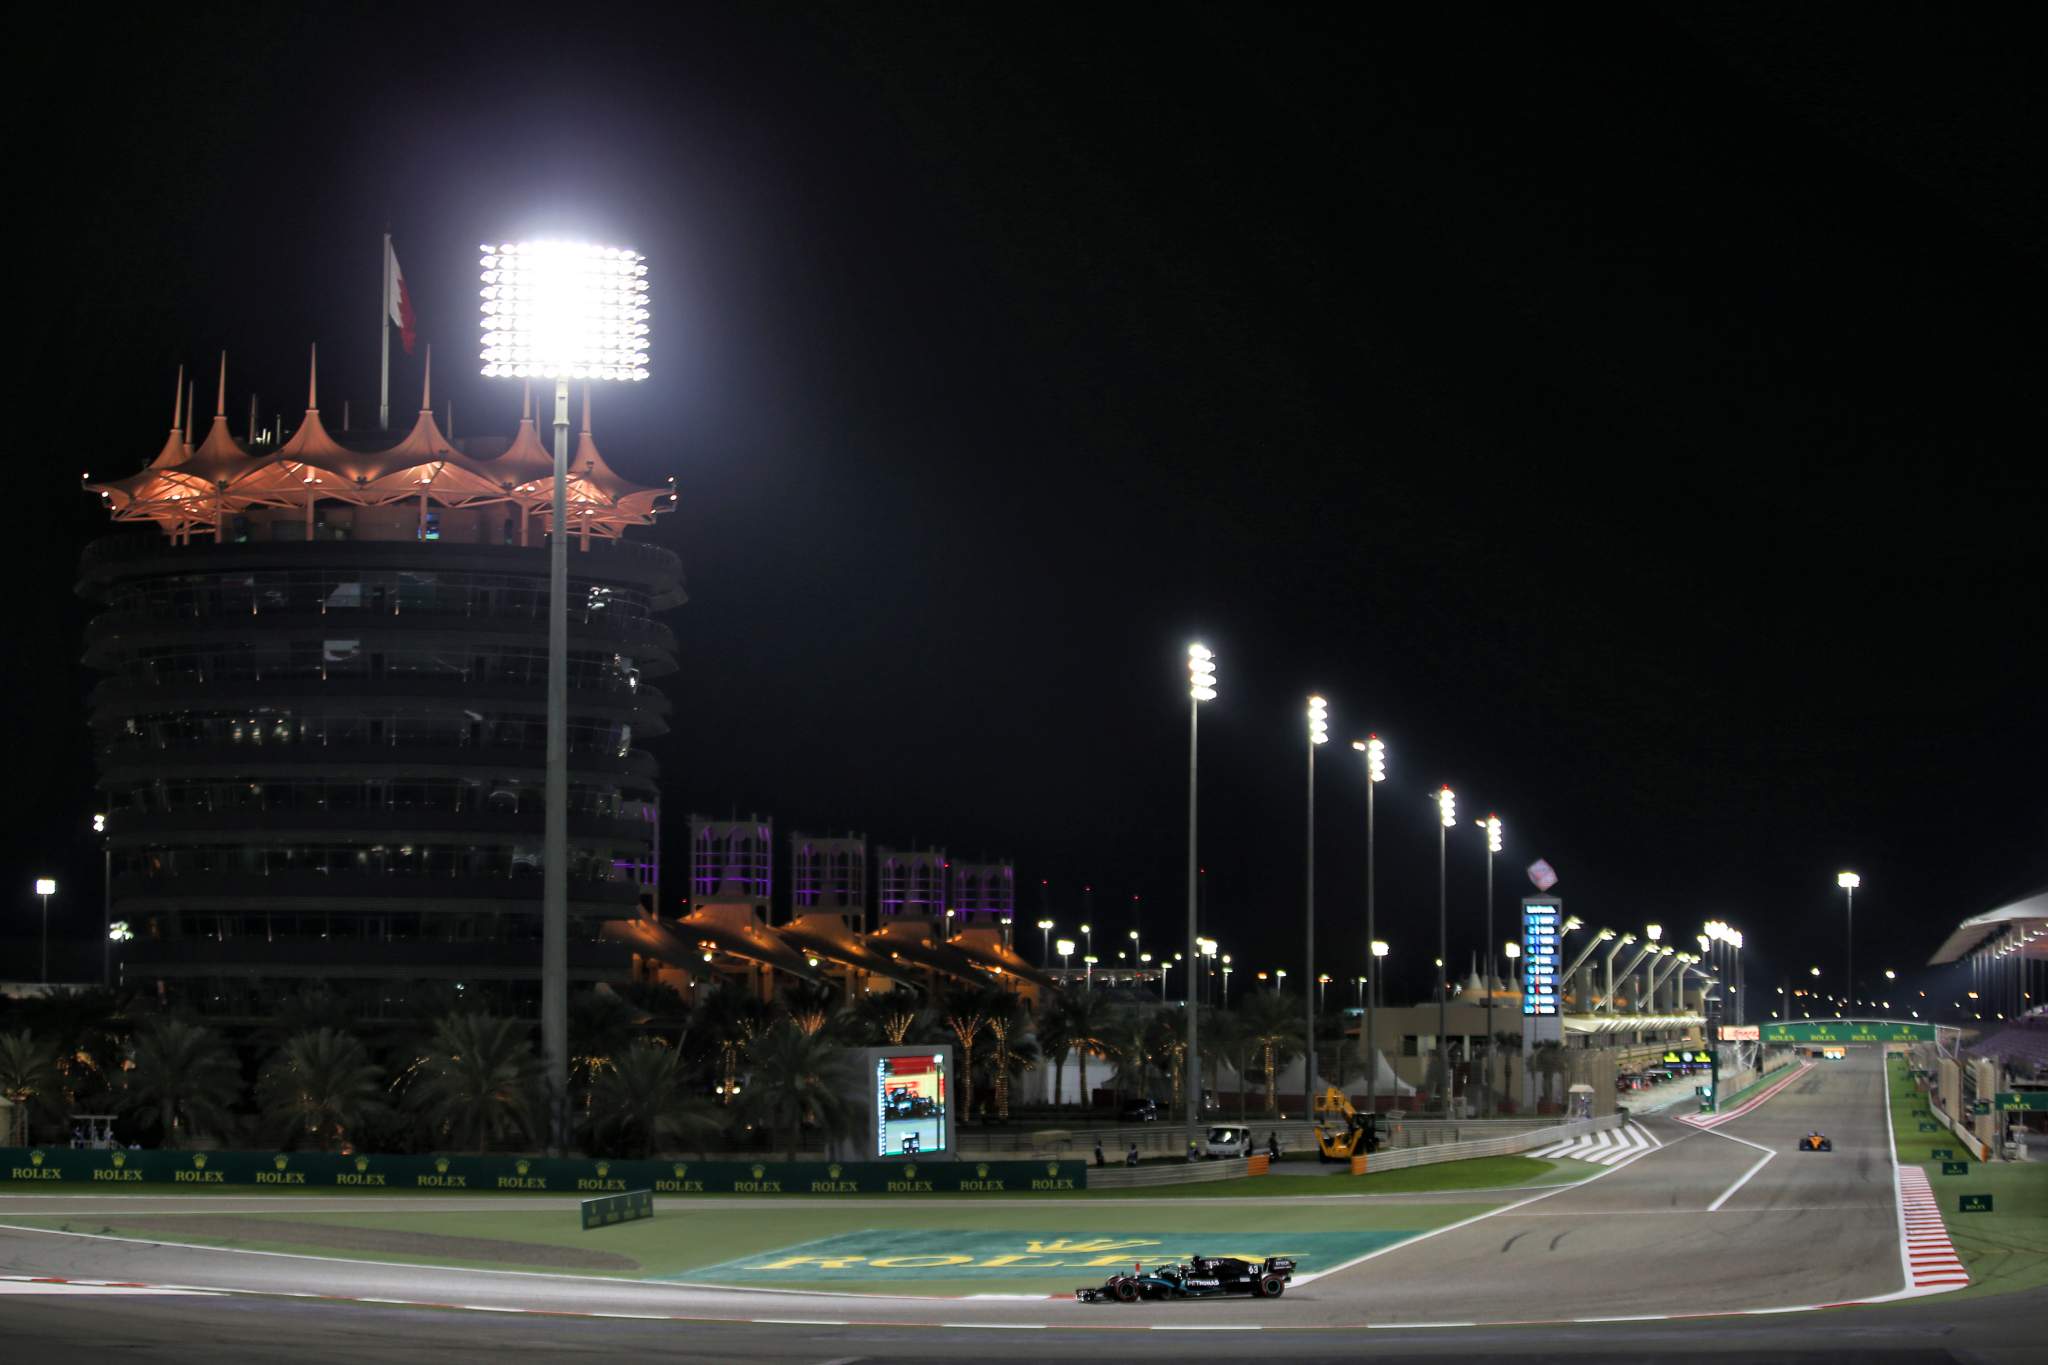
x=911, y=1105
x=1542, y=919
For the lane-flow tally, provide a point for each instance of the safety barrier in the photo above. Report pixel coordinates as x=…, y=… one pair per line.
x=1498, y=1146
x=66, y=1168
x=1170, y=1173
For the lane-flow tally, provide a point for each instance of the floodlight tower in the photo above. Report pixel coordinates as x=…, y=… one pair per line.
x=562, y=311
x=1201, y=688
x=46, y=887
x=1318, y=735
x=1491, y=824
x=1849, y=881
x=1446, y=816
x=1375, y=773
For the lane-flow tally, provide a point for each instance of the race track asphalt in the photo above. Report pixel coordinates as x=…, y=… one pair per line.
x=1732, y=1221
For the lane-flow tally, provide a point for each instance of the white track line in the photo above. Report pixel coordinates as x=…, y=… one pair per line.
x=1743, y=1179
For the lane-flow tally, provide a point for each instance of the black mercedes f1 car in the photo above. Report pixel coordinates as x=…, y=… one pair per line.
x=1202, y=1277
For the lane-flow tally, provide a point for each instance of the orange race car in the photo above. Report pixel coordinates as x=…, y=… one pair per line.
x=1816, y=1142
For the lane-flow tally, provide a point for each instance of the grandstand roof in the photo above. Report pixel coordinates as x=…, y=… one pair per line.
x=2021, y=927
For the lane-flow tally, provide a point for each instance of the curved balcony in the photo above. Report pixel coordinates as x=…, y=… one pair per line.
x=371, y=760
x=631, y=562
x=651, y=644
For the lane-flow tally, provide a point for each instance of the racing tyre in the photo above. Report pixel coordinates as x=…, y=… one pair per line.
x=1272, y=1287
x=1126, y=1292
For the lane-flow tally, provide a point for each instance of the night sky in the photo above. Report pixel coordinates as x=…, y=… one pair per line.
x=1635, y=418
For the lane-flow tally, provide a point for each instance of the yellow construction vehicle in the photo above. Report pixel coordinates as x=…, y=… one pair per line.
x=1341, y=1131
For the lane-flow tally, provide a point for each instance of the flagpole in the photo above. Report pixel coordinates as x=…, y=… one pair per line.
x=384, y=312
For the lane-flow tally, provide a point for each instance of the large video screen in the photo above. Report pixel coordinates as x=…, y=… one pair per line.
x=910, y=1105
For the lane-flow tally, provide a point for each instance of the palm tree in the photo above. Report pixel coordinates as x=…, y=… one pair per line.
x=479, y=1083
x=1550, y=1062
x=966, y=1013
x=1001, y=1068
x=1130, y=1047
x=1223, y=1039
x=84, y=1032
x=1055, y=1039
x=1273, y=1022
x=889, y=1017
x=639, y=1105
x=1088, y=1025
x=28, y=1078
x=1166, y=1036
x=601, y=1026
x=800, y=1079
x=809, y=1004
x=1007, y=1019
x=182, y=1077
x=731, y=1019
x=319, y=1087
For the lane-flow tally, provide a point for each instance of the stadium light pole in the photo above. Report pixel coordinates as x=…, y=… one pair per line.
x=1447, y=816
x=1201, y=688
x=1318, y=735
x=562, y=311
x=1849, y=881
x=1065, y=948
x=1491, y=824
x=1375, y=754
x=99, y=827
x=46, y=887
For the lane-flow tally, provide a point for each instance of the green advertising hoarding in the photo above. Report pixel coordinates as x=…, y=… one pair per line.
x=70, y=1168
x=2022, y=1101
x=1849, y=1031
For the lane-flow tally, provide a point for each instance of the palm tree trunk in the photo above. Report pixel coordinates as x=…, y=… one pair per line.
x=1087, y=1095
x=1059, y=1075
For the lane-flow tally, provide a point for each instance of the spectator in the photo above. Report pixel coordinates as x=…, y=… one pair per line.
x=1273, y=1144
x=1131, y=1157
x=1098, y=1153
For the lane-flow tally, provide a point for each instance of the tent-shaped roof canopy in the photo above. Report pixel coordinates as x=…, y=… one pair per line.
x=186, y=490
x=825, y=936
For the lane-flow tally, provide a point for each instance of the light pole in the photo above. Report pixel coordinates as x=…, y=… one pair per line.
x=1065, y=948
x=1447, y=816
x=1227, y=969
x=99, y=827
x=1375, y=773
x=46, y=887
x=1201, y=688
x=1279, y=980
x=1849, y=881
x=1322, y=991
x=1318, y=735
x=1045, y=941
x=1607, y=997
x=1088, y=957
x=1491, y=824
x=1361, y=995
x=561, y=311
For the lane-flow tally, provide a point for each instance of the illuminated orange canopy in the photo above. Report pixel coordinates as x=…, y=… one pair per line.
x=186, y=490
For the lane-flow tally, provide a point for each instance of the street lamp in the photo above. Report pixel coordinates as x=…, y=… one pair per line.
x=1088, y=960
x=1375, y=754
x=1447, y=816
x=99, y=827
x=1065, y=948
x=1849, y=881
x=1227, y=969
x=1491, y=824
x=1279, y=979
x=1619, y=944
x=1201, y=688
x=46, y=887
x=1322, y=989
x=1318, y=735
x=1361, y=994
x=561, y=311
x=1045, y=941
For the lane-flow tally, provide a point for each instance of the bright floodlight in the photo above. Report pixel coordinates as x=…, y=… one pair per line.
x=1447, y=807
x=1318, y=721
x=1848, y=879
x=46, y=886
x=1655, y=931
x=1045, y=924
x=1491, y=824
x=1379, y=947
x=1064, y=947
x=1201, y=673
x=1375, y=757
x=564, y=310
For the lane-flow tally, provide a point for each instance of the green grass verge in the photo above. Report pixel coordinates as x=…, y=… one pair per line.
x=2006, y=1249
x=677, y=1244
x=1776, y=1073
